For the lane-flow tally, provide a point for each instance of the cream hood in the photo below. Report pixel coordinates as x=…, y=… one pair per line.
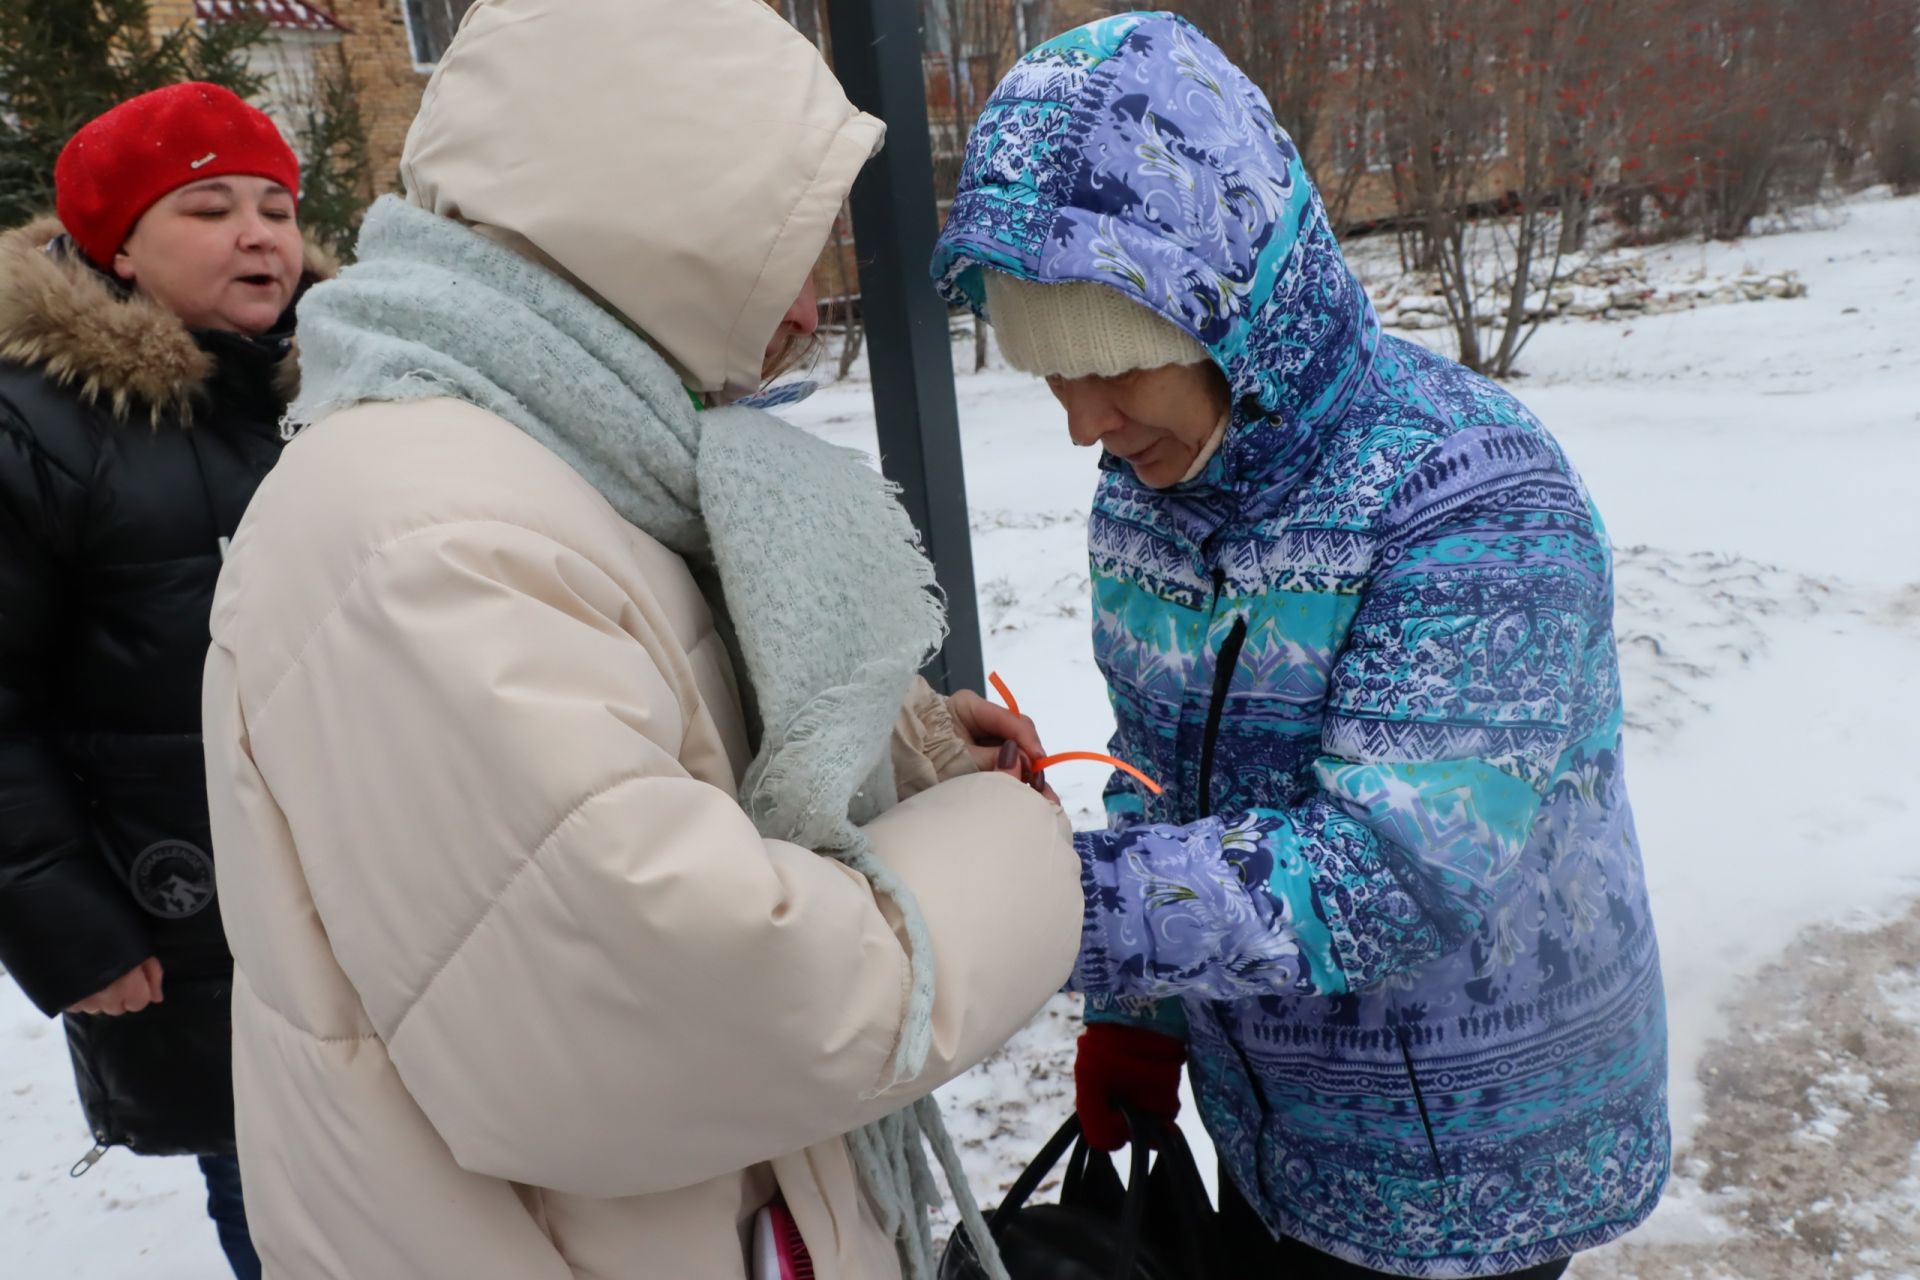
x=683, y=161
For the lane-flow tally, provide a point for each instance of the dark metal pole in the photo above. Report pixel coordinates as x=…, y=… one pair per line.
x=876, y=54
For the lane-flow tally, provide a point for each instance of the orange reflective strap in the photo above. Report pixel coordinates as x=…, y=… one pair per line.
x=1101, y=757
x=1006, y=694
x=1060, y=757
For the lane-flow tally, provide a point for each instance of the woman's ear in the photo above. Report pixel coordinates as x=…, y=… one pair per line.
x=123, y=266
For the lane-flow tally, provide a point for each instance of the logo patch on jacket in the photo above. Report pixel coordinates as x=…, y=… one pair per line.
x=172, y=879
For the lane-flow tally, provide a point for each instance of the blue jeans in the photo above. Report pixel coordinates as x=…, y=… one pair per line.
x=229, y=1214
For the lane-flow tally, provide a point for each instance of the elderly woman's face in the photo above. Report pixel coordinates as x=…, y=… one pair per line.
x=220, y=254
x=1154, y=420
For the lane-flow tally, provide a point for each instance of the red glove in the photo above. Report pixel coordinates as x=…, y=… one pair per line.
x=1118, y=1064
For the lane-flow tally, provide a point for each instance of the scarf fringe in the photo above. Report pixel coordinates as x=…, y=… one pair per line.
x=891, y=1158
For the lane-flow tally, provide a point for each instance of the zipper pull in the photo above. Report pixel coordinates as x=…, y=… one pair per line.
x=90, y=1159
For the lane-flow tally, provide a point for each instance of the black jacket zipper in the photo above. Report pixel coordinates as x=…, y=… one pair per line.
x=1222, y=679
x=1420, y=1102
x=1223, y=668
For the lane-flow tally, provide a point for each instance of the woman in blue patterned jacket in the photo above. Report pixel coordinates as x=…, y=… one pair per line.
x=1354, y=608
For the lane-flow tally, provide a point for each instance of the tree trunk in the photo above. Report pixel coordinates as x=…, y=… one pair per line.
x=1575, y=209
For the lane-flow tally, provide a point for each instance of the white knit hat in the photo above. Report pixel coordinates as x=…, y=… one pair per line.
x=1081, y=330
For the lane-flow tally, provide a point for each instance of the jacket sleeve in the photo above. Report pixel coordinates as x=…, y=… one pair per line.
x=67, y=925
x=589, y=969
x=1450, y=716
x=1124, y=809
x=927, y=746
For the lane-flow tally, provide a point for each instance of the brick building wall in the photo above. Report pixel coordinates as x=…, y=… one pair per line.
x=1372, y=198
x=166, y=15
x=376, y=44
x=377, y=47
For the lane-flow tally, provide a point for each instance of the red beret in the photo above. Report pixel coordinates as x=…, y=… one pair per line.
x=112, y=171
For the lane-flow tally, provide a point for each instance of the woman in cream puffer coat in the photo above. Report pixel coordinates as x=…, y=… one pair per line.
x=523, y=986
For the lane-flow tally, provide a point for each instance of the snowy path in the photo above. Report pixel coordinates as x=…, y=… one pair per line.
x=1756, y=464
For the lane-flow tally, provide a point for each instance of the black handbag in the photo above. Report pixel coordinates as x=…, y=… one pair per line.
x=1159, y=1226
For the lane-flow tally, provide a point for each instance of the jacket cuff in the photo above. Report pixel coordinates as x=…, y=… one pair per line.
x=69, y=931
x=1166, y=1017
x=928, y=747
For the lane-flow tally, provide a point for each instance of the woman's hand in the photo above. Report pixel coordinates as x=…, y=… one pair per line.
x=992, y=731
x=131, y=992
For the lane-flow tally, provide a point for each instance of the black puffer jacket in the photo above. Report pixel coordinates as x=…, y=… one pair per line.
x=129, y=448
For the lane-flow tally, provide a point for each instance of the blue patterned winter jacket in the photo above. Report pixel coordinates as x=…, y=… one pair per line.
x=1392, y=894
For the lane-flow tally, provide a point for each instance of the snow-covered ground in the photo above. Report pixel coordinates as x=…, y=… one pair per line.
x=1756, y=463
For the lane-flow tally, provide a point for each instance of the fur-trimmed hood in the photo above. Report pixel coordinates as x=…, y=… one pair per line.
x=119, y=351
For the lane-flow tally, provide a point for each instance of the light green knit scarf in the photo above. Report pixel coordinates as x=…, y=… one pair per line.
x=819, y=572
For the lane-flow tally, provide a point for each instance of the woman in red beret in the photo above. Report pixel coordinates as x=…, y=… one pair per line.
x=146, y=357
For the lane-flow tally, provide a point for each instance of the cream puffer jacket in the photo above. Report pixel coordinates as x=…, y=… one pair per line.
x=520, y=991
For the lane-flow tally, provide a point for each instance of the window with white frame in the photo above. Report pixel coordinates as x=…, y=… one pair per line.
x=430, y=26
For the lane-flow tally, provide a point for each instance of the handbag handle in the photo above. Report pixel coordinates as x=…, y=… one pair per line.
x=1185, y=1192
x=1174, y=1178
x=1133, y=1209
x=1030, y=1179
x=1134, y=1212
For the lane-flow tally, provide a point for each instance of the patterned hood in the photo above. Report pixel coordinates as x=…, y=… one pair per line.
x=1131, y=153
